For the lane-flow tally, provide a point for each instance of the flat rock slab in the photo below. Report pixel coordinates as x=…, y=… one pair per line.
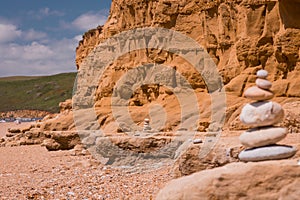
x=274, y=152
x=263, y=136
x=256, y=93
x=263, y=84
x=261, y=113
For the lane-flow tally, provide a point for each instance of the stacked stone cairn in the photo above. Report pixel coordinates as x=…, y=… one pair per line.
x=146, y=125
x=262, y=116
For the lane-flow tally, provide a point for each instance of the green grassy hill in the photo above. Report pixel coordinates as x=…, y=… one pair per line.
x=36, y=92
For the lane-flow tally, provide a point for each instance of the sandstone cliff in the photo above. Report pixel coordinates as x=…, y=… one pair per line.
x=241, y=37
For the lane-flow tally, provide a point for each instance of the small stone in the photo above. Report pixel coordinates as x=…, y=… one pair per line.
x=71, y=193
x=197, y=141
x=274, y=152
x=257, y=137
x=14, y=130
x=10, y=134
x=262, y=73
x=261, y=113
x=123, y=127
x=256, y=93
x=263, y=83
x=51, y=144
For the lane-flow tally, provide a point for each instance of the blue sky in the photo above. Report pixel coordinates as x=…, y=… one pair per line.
x=39, y=37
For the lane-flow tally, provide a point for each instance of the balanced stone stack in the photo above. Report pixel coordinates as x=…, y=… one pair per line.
x=262, y=116
x=146, y=125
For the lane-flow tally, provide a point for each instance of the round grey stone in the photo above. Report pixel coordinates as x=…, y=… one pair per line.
x=256, y=93
x=274, y=152
x=263, y=83
x=263, y=136
x=262, y=73
x=261, y=113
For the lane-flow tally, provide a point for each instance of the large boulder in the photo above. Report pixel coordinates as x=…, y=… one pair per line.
x=264, y=180
x=61, y=140
x=190, y=162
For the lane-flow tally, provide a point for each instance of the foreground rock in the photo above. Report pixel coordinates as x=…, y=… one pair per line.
x=264, y=180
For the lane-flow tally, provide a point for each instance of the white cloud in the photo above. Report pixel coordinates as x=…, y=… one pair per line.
x=45, y=12
x=32, y=35
x=8, y=32
x=31, y=52
x=78, y=37
x=38, y=59
x=36, y=51
x=89, y=20
x=48, y=12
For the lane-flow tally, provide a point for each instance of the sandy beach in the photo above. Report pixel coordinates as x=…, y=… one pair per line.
x=32, y=172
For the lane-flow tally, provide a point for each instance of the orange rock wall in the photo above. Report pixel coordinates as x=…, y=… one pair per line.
x=241, y=36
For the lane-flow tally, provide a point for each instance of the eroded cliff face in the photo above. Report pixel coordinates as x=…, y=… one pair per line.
x=241, y=37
